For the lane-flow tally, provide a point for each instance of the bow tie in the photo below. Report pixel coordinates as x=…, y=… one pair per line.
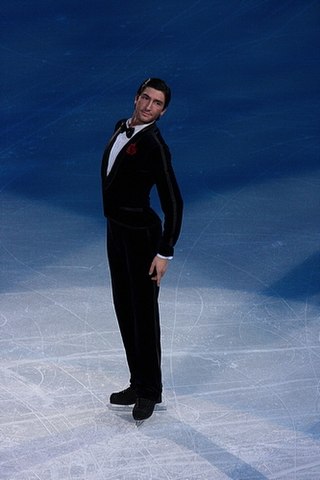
x=129, y=130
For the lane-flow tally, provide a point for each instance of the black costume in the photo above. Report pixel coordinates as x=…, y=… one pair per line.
x=135, y=234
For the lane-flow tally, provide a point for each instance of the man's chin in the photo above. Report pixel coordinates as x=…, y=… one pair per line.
x=147, y=118
x=142, y=119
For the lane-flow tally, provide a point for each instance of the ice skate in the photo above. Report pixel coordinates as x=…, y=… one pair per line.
x=125, y=398
x=143, y=409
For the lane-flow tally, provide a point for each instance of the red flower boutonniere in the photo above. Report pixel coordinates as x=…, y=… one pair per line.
x=132, y=149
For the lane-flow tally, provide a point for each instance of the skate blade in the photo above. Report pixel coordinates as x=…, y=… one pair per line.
x=159, y=407
x=120, y=408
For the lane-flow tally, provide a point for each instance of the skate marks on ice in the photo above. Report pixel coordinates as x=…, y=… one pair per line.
x=204, y=456
x=192, y=440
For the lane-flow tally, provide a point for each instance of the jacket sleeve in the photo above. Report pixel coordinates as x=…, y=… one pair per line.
x=170, y=200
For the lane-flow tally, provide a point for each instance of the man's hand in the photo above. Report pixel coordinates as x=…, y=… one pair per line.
x=158, y=269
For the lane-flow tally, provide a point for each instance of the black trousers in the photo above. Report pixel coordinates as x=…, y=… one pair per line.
x=135, y=297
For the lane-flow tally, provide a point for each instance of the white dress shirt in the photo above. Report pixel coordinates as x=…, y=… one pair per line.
x=121, y=141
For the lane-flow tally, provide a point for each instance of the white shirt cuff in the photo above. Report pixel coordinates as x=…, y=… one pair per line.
x=164, y=258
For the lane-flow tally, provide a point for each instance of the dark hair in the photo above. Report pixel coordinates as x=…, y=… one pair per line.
x=157, y=84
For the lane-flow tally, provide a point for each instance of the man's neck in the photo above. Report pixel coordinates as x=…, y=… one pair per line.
x=131, y=122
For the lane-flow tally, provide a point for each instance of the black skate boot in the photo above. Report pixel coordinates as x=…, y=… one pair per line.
x=143, y=409
x=125, y=397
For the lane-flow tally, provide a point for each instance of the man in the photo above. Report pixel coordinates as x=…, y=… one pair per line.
x=139, y=245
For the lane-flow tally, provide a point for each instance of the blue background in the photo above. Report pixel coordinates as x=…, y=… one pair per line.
x=240, y=302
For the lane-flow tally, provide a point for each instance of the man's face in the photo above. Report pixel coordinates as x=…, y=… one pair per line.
x=149, y=106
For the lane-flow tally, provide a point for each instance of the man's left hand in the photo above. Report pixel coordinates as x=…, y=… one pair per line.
x=158, y=269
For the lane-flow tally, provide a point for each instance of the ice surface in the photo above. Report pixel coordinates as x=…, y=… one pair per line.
x=240, y=303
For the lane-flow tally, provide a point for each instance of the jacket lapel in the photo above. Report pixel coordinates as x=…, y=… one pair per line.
x=107, y=150
x=121, y=155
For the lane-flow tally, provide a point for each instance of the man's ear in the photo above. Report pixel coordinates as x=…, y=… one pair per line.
x=163, y=111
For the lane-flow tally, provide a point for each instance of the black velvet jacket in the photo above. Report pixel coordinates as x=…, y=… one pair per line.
x=143, y=162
